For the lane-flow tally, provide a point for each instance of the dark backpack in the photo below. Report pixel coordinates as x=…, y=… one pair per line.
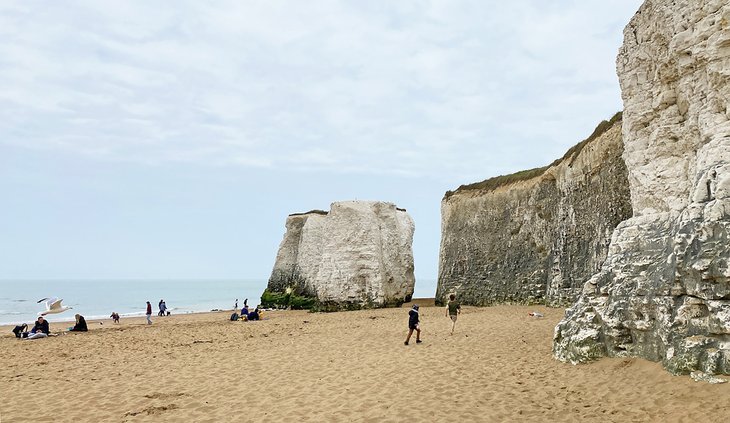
x=19, y=329
x=234, y=317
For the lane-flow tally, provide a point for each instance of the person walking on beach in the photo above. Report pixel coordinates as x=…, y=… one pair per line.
x=235, y=306
x=413, y=320
x=148, y=313
x=163, y=307
x=453, y=308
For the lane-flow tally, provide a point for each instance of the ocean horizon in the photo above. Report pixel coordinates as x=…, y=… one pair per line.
x=98, y=298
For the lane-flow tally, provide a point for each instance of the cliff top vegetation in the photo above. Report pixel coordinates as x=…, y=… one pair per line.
x=322, y=212
x=502, y=180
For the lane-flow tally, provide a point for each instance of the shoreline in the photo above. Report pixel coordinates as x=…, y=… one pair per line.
x=6, y=327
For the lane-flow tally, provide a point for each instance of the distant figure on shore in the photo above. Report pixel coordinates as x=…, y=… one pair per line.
x=235, y=306
x=115, y=316
x=163, y=308
x=245, y=303
x=453, y=308
x=148, y=313
x=80, y=325
x=413, y=324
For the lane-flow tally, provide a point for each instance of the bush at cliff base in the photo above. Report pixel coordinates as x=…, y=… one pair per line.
x=272, y=299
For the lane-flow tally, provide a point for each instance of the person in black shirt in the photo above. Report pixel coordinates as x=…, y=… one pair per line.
x=413, y=320
x=40, y=330
x=80, y=325
x=41, y=325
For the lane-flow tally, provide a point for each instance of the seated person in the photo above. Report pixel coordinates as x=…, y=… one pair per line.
x=115, y=317
x=244, y=311
x=41, y=326
x=80, y=325
x=40, y=329
x=254, y=315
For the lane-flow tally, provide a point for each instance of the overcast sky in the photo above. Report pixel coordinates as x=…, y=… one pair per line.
x=171, y=139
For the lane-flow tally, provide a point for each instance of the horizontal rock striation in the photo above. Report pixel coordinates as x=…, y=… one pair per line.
x=664, y=291
x=359, y=254
x=536, y=236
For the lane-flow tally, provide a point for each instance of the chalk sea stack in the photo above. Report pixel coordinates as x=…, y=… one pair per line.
x=664, y=290
x=357, y=255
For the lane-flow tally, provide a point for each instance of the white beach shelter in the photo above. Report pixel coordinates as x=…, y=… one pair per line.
x=53, y=306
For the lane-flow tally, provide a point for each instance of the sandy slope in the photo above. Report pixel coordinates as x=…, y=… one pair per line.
x=299, y=366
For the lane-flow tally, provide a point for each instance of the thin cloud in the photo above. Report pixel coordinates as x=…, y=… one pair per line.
x=467, y=88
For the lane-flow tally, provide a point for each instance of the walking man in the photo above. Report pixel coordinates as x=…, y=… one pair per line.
x=148, y=313
x=413, y=320
x=453, y=308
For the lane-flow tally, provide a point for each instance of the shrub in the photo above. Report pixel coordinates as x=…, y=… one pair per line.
x=273, y=299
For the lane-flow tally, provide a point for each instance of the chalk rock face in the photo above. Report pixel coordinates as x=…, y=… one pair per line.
x=664, y=291
x=357, y=255
x=535, y=237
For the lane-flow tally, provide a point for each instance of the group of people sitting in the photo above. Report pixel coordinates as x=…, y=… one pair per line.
x=41, y=329
x=247, y=315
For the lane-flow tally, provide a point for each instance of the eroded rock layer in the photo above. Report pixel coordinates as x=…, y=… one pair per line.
x=664, y=291
x=359, y=254
x=537, y=236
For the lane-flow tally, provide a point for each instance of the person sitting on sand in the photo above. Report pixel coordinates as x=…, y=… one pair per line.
x=254, y=315
x=115, y=316
x=413, y=320
x=80, y=325
x=40, y=329
x=453, y=308
x=41, y=326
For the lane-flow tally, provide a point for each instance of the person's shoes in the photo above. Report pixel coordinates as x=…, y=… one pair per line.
x=418, y=341
x=405, y=343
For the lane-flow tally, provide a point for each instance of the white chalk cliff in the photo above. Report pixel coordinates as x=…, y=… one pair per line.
x=664, y=291
x=359, y=254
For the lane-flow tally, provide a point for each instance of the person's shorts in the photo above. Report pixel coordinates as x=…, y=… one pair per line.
x=413, y=327
x=453, y=317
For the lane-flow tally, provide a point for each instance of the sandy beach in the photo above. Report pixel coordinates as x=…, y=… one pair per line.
x=347, y=366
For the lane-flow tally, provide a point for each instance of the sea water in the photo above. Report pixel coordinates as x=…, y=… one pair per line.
x=95, y=299
x=99, y=298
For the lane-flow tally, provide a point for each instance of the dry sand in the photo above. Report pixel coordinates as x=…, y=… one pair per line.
x=349, y=366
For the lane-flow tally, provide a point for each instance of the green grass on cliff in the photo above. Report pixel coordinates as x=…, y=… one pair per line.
x=322, y=212
x=572, y=153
